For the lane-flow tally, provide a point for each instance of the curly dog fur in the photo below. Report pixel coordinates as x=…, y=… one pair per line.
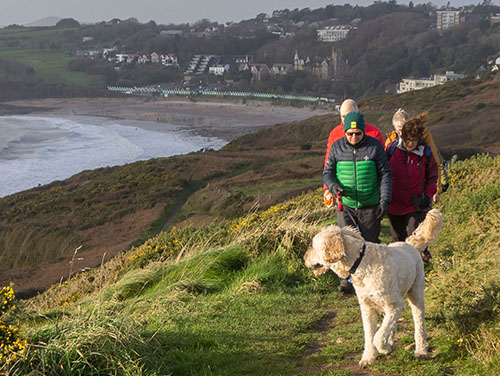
x=386, y=274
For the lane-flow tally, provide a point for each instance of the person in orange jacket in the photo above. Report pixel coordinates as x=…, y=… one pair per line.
x=349, y=105
x=398, y=120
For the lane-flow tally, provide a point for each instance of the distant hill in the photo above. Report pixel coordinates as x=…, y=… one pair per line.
x=388, y=42
x=43, y=22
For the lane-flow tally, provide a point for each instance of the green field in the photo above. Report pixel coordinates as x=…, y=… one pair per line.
x=51, y=66
x=33, y=47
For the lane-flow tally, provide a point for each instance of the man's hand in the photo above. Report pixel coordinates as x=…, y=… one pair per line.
x=338, y=189
x=382, y=209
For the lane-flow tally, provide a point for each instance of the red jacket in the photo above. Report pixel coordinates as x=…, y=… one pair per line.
x=338, y=132
x=411, y=175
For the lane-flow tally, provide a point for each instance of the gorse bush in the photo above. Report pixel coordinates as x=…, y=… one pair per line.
x=12, y=343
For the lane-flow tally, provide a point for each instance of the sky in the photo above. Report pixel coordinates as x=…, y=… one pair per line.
x=165, y=11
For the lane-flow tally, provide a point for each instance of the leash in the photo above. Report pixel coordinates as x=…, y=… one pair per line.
x=340, y=206
x=362, y=253
x=358, y=261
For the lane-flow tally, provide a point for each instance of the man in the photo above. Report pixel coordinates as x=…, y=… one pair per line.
x=336, y=133
x=357, y=169
x=398, y=120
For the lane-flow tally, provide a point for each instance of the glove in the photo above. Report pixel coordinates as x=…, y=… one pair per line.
x=338, y=189
x=424, y=201
x=382, y=209
x=328, y=199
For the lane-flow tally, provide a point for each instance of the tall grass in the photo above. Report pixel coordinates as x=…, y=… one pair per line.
x=464, y=289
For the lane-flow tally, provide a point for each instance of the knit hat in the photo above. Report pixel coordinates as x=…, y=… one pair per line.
x=354, y=120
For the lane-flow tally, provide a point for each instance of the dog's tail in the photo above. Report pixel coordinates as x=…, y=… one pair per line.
x=427, y=231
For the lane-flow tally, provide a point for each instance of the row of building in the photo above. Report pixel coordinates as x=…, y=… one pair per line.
x=444, y=20
x=449, y=17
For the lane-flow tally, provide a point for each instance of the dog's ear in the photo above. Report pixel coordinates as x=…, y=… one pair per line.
x=334, y=246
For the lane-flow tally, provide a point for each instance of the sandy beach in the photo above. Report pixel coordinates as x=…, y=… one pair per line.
x=226, y=120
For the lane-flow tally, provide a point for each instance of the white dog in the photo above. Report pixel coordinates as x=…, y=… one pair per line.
x=382, y=276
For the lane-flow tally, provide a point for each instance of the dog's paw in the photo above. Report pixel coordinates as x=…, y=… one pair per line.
x=368, y=357
x=423, y=355
x=366, y=362
x=382, y=346
x=384, y=349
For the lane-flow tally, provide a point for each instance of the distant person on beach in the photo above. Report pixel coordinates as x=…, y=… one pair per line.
x=414, y=178
x=357, y=170
x=398, y=120
x=337, y=133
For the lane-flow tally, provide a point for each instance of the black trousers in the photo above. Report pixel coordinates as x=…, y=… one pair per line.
x=365, y=218
x=403, y=225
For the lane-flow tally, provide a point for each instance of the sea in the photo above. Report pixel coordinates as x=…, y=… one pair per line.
x=37, y=150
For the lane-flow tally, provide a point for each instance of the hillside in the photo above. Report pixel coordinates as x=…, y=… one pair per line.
x=234, y=298
x=387, y=42
x=107, y=210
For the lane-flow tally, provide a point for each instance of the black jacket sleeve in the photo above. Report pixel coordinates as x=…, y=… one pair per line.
x=330, y=171
x=384, y=173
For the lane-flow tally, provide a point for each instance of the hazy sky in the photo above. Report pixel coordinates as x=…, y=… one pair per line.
x=164, y=11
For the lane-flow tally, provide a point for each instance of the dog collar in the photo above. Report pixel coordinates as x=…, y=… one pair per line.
x=358, y=261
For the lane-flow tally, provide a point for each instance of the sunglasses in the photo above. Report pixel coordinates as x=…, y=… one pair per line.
x=353, y=134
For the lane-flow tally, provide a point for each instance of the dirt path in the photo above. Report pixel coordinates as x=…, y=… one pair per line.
x=350, y=363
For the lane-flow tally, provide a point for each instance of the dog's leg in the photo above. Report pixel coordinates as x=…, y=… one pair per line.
x=369, y=317
x=392, y=337
x=391, y=314
x=416, y=300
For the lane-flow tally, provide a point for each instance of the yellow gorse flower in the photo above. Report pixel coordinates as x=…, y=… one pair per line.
x=11, y=342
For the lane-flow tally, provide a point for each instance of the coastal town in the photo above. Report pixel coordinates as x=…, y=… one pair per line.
x=223, y=69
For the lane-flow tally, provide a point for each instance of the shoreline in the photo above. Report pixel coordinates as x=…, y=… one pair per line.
x=221, y=119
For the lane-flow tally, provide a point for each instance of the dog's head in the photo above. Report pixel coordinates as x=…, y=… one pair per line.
x=327, y=249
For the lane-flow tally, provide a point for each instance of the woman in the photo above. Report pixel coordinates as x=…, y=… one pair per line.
x=414, y=178
x=400, y=117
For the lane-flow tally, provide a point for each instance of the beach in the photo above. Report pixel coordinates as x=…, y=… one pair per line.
x=53, y=139
x=220, y=119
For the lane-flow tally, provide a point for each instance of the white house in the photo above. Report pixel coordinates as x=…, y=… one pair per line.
x=143, y=59
x=169, y=60
x=410, y=84
x=218, y=70
x=122, y=58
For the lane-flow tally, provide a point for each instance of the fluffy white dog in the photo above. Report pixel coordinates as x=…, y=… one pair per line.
x=382, y=276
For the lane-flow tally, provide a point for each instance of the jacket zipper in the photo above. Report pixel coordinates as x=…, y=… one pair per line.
x=354, y=157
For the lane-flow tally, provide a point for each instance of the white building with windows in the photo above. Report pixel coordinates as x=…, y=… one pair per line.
x=334, y=33
x=410, y=84
x=218, y=70
x=447, y=18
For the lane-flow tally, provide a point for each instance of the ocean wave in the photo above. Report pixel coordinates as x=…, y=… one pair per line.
x=38, y=150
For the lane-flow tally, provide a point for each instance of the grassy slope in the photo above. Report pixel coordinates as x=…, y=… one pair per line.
x=23, y=45
x=255, y=170
x=234, y=299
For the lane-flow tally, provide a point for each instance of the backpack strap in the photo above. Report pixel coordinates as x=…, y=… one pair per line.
x=428, y=153
x=392, y=148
